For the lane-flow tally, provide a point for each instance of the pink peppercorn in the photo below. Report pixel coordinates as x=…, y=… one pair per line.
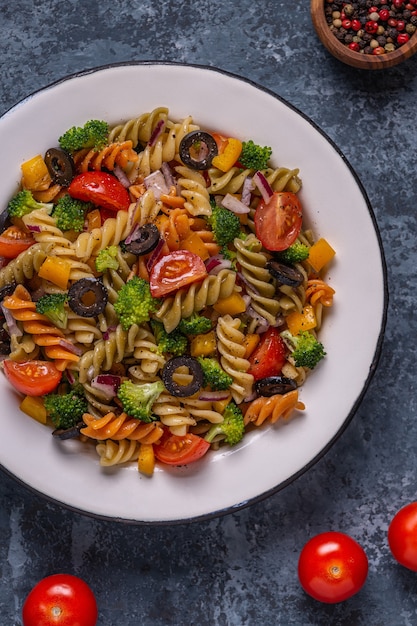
x=398, y=3
x=378, y=50
x=402, y=38
x=346, y=24
x=354, y=46
x=384, y=15
x=371, y=27
x=356, y=25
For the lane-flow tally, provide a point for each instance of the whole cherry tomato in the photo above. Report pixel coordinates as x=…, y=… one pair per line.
x=332, y=567
x=60, y=600
x=402, y=536
x=101, y=189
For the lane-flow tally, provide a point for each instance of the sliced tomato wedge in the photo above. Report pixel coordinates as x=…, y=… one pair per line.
x=269, y=356
x=278, y=221
x=100, y=188
x=33, y=378
x=175, y=270
x=13, y=241
x=176, y=450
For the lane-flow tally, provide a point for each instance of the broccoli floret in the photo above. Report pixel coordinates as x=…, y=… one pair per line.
x=107, y=259
x=195, y=325
x=307, y=351
x=135, y=303
x=254, y=156
x=225, y=224
x=296, y=253
x=137, y=400
x=53, y=306
x=232, y=427
x=24, y=202
x=213, y=374
x=174, y=343
x=70, y=213
x=94, y=134
x=65, y=410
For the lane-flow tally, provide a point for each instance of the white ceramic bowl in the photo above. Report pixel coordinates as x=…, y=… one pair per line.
x=337, y=209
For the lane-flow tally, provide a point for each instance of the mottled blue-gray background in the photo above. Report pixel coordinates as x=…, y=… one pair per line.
x=241, y=569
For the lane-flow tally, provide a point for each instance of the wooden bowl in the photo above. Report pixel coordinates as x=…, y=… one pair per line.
x=350, y=57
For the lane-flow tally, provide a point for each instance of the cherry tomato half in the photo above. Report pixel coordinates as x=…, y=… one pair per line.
x=33, y=378
x=60, y=600
x=278, y=221
x=176, y=450
x=175, y=270
x=402, y=536
x=332, y=567
x=100, y=188
x=13, y=241
x=269, y=356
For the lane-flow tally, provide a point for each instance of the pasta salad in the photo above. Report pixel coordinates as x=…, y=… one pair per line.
x=160, y=293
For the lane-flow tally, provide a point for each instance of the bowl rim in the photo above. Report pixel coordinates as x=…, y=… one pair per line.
x=350, y=57
x=385, y=299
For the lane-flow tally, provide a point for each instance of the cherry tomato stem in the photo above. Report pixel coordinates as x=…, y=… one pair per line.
x=60, y=600
x=332, y=567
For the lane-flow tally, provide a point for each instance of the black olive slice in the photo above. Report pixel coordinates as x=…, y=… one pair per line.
x=182, y=391
x=60, y=166
x=285, y=274
x=87, y=297
x=7, y=290
x=198, y=149
x=4, y=220
x=274, y=385
x=68, y=433
x=143, y=240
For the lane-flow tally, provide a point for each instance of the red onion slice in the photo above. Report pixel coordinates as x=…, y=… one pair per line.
x=107, y=332
x=167, y=172
x=12, y=327
x=264, y=187
x=156, y=182
x=234, y=205
x=107, y=383
x=213, y=396
x=70, y=347
x=121, y=176
x=247, y=188
x=155, y=255
x=156, y=132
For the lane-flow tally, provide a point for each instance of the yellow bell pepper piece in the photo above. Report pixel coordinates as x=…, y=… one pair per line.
x=320, y=254
x=231, y=153
x=220, y=405
x=232, y=305
x=194, y=243
x=250, y=342
x=55, y=270
x=203, y=345
x=146, y=459
x=35, y=174
x=34, y=407
x=297, y=322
